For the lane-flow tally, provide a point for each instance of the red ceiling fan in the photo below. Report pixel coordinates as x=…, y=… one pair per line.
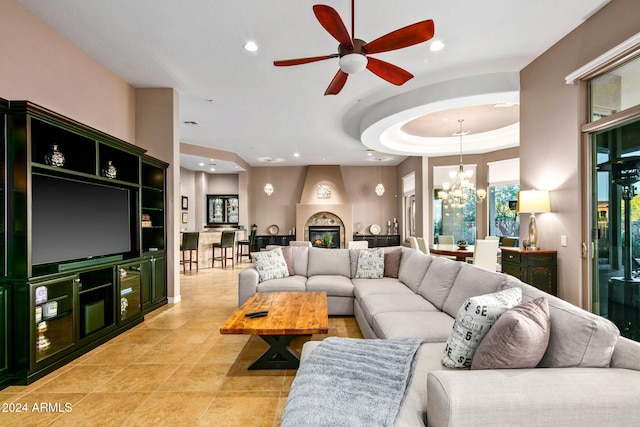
x=353, y=53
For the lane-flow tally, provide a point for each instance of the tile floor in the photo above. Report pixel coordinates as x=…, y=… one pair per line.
x=174, y=369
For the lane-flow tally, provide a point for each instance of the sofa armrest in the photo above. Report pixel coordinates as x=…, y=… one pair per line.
x=533, y=397
x=248, y=280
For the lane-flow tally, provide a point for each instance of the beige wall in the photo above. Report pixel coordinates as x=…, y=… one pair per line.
x=41, y=66
x=551, y=113
x=158, y=130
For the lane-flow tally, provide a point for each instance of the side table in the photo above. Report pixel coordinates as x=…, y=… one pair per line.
x=535, y=267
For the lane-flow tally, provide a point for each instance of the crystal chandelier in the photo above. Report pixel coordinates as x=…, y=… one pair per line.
x=457, y=194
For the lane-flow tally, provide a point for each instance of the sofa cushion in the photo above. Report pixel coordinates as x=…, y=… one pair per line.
x=300, y=259
x=578, y=338
x=270, y=264
x=392, y=260
x=329, y=261
x=438, y=280
x=374, y=304
x=384, y=286
x=370, y=264
x=517, y=340
x=333, y=285
x=429, y=326
x=473, y=321
x=288, y=284
x=471, y=281
x=413, y=268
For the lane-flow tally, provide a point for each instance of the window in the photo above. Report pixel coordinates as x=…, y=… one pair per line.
x=503, y=219
x=615, y=90
x=504, y=177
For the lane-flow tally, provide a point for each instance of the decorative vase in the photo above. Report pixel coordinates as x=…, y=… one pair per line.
x=110, y=171
x=54, y=157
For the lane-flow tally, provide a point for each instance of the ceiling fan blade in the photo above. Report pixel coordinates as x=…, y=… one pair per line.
x=404, y=37
x=331, y=21
x=300, y=61
x=388, y=72
x=337, y=83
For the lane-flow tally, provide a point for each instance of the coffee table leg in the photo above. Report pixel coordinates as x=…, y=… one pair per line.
x=279, y=355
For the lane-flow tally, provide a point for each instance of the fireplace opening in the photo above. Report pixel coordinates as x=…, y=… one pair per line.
x=318, y=235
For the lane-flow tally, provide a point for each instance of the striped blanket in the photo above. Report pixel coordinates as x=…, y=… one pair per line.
x=351, y=382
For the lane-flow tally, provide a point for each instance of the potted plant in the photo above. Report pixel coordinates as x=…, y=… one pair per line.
x=326, y=240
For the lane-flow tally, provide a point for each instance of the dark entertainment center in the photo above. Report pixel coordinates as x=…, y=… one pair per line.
x=83, y=239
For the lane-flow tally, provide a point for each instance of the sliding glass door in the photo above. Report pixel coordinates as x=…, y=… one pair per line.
x=616, y=226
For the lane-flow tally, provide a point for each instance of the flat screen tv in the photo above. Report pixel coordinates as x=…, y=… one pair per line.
x=74, y=220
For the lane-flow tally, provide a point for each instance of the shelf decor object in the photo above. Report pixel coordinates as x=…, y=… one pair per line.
x=533, y=202
x=54, y=157
x=110, y=170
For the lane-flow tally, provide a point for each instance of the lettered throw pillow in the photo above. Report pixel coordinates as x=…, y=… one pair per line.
x=472, y=323
x=370, y=264
x=270, y=264
x=518, y=340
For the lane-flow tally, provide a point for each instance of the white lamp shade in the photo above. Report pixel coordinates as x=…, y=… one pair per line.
x=533, y=201
x=353, y=63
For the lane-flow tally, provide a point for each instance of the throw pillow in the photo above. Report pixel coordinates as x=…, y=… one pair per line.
x=472, y=323
x=287, y=253
x=370, y=264
x=518, y=339
x=392, y=263
x=270, y=264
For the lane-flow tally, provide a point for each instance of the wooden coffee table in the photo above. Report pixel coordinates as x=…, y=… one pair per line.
x=290, y=314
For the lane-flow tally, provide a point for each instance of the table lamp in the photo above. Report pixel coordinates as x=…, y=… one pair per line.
x=533, y=202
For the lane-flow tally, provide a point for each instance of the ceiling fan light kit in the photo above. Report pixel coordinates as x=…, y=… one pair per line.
x=353, y=52
x=353, y=63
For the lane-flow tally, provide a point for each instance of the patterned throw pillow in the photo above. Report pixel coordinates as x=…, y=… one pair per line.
x=370, y=264
x=270, y=264
x=473, y=321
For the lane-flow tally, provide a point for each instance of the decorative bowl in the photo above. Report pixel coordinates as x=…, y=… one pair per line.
x=462, y=244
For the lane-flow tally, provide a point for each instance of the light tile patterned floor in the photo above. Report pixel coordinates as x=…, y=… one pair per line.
x=174, y=369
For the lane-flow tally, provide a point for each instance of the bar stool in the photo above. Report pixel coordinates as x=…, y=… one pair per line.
x=244, y=247
x=189, y=243
x=227, y=241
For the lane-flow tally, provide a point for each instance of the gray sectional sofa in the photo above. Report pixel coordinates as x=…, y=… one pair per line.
x=587, y=376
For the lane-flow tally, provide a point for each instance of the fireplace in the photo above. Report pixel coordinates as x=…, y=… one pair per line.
x=317, y=234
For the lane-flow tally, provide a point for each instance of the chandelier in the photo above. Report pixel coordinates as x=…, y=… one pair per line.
x=457, y=194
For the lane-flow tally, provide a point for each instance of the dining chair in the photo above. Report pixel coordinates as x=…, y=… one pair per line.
x=511, y=242
x=413, y=243
x=245, y=246
x=422, y=245
x=227, y=241
x=484, y=254
x=358, y=244
x=445, y=239
x=189, y=243
x=491, y=238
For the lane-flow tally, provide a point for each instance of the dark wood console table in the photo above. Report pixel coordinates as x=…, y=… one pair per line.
x=379, y=241
x=535, y=267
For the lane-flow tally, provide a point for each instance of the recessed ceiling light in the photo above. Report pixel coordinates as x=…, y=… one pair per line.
x=504, y=104
x=436, y=46
x=250, y=46
x=296, y=154
x=369, y=152
x=200, y=164
x=191, y=123
x=212, y=169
